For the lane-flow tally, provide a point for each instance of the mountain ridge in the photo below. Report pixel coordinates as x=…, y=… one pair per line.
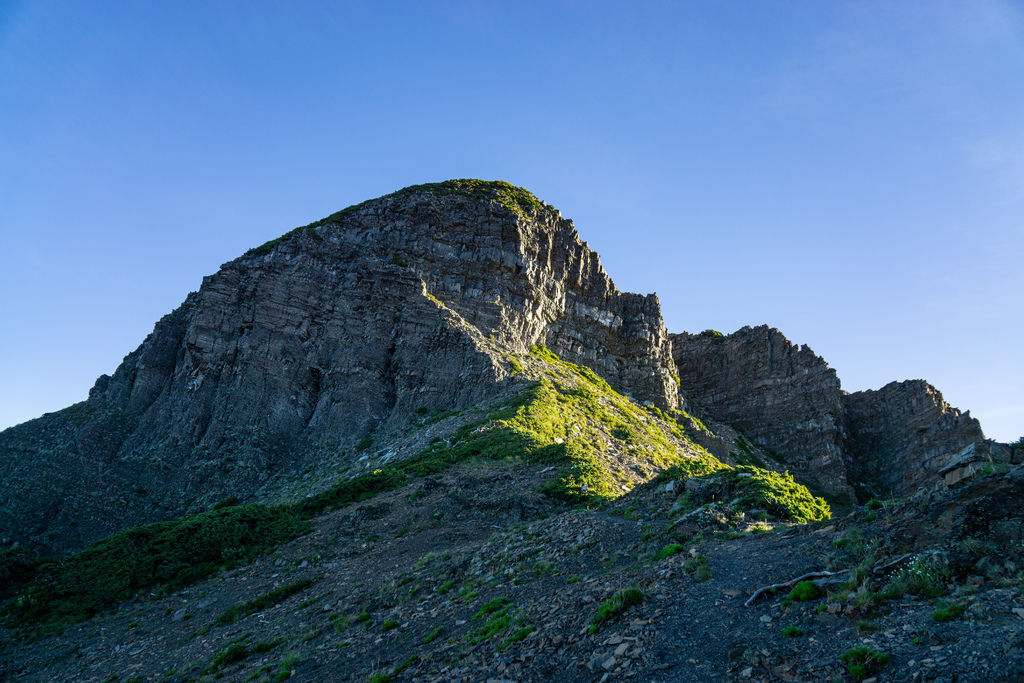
x=434, y=412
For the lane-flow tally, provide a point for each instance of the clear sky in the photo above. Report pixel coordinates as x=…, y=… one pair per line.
x=851, y=173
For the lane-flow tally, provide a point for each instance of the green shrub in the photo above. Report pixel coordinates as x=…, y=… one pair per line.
x=793, y=631
x=867, y=627
x=668, y=551
x=362, y=487
x=490, y=607
x=699, y=568
x=165, y=554
x=501, y=616
x=233, y=652
x=616, y=605
x=430, y=637
x=777, y=493
x=389, y=625
x=948, y=611
x=236, y=612
x=925, y=576
x=861, y=661
x=804, y=591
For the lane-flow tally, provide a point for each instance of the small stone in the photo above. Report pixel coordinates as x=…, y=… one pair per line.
x=748, y=672
x=1019, y=611
x=621, y=649
x=303, y=564
x=765, y=619
x=178, y=614
x=609, y=663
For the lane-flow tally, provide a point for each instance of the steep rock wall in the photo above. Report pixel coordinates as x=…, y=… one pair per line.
x=904, y=436
x=782, y=396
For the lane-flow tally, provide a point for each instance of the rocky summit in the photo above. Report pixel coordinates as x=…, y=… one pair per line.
x=426, y=438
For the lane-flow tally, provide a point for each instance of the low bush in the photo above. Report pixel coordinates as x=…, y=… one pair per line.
x=862, y=661
x=947, y=611
x=165, y=554
x=616, y=605
x=668, y=551
x=236, y=612
x=804, y=591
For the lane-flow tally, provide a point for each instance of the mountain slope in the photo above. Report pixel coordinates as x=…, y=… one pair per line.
x=426, y=438
x=334, y=335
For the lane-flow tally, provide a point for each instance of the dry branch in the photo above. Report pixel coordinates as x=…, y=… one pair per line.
x=789, y=584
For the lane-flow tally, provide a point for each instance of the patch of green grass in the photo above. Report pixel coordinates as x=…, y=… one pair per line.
x=793, y=631
x=430, y=637
x=699, y=568
x=232, y=652
x=287, y=666
x=543, y=568
x=924, y=576
x=388, y=625
x=804, y=591
x=617, y=604
x=165, y=554
x=516, y=636
x=490, y=607
x=948, y=611
x=500, y=615
x=236, y=612
x=862, y=661
x=777, y=493
x=668, y=551
x=867, y=627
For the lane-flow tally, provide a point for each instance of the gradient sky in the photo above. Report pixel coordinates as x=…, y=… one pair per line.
x=851, y=173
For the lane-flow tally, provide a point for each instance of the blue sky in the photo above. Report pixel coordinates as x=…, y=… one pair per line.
x=851, y=173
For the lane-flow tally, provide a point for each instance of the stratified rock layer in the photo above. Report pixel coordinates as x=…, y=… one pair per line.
x=889, y=442
x=781, y=395
x=904, y=436
x=337, y=333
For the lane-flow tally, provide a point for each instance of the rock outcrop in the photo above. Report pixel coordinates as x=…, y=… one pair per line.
x=781, y=395
x=335, y=334
x=904, y=436
x=883, y=443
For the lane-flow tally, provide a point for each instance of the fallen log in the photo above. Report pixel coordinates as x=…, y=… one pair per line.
x=792, y=582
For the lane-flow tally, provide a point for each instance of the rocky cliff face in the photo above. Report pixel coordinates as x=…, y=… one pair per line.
x=781, y=395
x=904, y=436
x=889, y=442
x=309, y=346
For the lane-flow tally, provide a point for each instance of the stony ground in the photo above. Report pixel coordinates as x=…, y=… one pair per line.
x=471, y=576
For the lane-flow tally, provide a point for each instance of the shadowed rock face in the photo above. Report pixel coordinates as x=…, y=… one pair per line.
x=888, y=442
x=781, y=395
x=904, y=436
x=342, y=330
